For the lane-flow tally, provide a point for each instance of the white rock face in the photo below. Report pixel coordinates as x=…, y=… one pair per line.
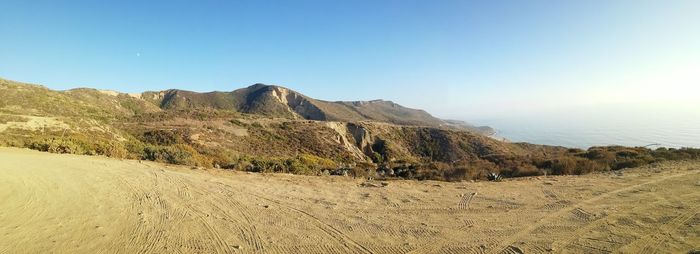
x=351, y=146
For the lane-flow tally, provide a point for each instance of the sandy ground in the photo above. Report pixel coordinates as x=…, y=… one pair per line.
x=77, y=204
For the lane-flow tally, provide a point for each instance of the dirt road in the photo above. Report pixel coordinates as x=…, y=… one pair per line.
x=77, y=204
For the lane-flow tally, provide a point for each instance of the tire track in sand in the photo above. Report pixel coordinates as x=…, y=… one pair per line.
x=338, y=235
x=571, y=236
x=250, y=233
x=466, y=200
x=245, y=225
x=153, y=212
x=505, y=244
x=651, y=242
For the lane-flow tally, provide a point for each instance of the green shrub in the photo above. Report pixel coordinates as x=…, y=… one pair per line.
x=114, y=150
x=267, y=165
x=377, y=158
x=310, y=164
x=296, y=166
x=164, y=137
x=180, y=154
x=58, y=145
x=135, y=149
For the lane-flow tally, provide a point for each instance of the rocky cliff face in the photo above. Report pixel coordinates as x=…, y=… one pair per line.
x=297, y=104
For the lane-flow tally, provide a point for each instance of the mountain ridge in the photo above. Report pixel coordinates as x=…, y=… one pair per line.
x=279, y=101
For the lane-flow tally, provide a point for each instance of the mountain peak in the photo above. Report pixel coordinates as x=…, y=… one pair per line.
x=257, y=86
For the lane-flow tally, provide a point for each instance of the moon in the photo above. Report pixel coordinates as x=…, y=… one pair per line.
x=138, y=54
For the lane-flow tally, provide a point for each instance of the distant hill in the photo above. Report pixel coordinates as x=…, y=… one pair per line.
x=276, y=101
x=486, y=130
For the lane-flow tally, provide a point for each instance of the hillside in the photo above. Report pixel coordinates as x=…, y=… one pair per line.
x=23, y=98
x=265, y=128
x=276, y=101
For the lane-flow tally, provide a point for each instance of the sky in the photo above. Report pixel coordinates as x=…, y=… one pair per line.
x=455, y=59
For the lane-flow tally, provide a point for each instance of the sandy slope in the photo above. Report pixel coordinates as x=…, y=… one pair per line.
x=78, y=204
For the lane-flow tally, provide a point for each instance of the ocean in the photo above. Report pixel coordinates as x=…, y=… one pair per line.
x=586, y=128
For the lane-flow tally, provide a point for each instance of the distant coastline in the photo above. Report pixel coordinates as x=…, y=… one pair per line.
x=497, y=136
x=671, y=131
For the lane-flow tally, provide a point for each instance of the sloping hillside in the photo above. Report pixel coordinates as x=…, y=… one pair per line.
x=278, y=101
x=32, y=113
x=30, y=99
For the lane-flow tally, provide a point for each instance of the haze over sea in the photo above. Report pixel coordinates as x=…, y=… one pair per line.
x=585, y=127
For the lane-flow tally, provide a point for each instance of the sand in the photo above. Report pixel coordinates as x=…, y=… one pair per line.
x=53, y=203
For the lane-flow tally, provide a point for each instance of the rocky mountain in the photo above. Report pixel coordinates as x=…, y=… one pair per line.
x=276, y=101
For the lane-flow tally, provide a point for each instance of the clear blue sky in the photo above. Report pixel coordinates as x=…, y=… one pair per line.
x=460, y=59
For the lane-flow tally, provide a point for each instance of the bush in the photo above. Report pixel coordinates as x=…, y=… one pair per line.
x=308, y=164
x=526, y=170
x=58, y=145
x=267, y=165
x=135, y=149
x=180, y=154
x=599, y=154
x=304, y=164
x=571, y=165
x=408, y=170
x=663, y=153
x=377, y=158
x=296, y=166
x=164, y=137
x=112, y=149
x=628, y=164
x=471, y=170
x=432, y=170
x=588, y=166
x=458, y=174
x=561, y=166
